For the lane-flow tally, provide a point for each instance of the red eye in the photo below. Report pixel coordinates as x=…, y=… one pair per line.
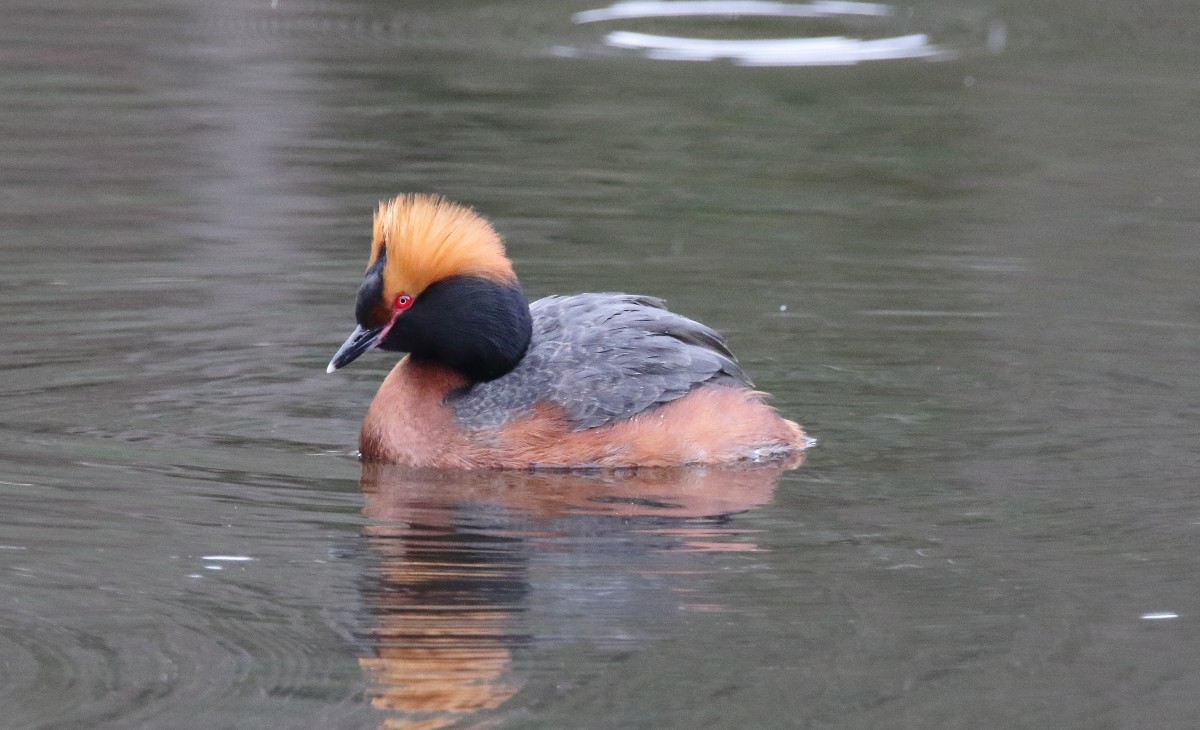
x=403, y=301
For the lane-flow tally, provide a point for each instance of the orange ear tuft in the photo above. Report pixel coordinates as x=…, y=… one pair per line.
x=429, y=238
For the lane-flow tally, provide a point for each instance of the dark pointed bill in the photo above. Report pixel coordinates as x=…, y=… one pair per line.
x=360, y=341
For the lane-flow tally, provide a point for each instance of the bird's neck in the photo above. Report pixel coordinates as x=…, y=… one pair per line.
x=475, y=326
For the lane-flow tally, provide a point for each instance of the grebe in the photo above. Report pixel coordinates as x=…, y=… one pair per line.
x=489, y=381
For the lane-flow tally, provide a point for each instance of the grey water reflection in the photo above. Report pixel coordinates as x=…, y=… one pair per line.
x=802, y=49
x=480, y=575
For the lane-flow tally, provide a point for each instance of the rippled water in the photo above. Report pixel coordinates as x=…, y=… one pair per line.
x=974, y=281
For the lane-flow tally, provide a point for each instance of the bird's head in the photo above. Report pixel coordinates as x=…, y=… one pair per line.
x=439, y=285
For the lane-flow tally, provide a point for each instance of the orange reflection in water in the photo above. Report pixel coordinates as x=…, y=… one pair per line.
x=446, y=599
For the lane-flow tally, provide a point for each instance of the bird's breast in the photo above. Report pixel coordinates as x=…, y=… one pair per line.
x=408, y=421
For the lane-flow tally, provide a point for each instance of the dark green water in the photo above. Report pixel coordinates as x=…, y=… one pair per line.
x=973, y=281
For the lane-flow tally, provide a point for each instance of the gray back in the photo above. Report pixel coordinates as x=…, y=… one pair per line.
x=602, y=358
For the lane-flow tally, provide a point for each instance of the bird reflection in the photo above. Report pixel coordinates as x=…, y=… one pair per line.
x=451, y=598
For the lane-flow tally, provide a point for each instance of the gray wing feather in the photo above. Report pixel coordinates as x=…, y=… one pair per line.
x=602, y=358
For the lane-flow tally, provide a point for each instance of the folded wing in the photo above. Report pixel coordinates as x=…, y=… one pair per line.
x=602, y=358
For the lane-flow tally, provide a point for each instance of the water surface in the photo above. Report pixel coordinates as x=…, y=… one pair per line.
x=972, y=280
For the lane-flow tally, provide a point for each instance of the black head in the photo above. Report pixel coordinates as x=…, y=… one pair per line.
x=439, y=286
x=476, y=326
